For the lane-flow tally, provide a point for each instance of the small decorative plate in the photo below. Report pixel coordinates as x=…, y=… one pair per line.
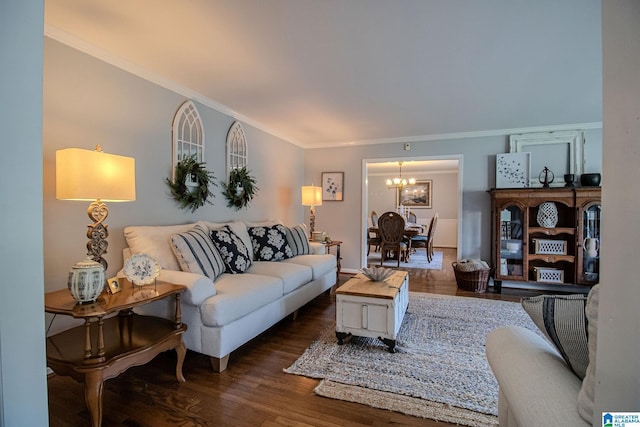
x=141, y=269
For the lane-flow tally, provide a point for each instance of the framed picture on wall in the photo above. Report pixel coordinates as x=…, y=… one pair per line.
x=418, y=194
x=333, y=186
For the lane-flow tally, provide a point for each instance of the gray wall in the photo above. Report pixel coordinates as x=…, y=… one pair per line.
x=23, y=387
x=345, y=220
x=89, y=102
x=618, y=364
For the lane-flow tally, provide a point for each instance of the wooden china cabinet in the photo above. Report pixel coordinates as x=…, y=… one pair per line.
x=529, y=248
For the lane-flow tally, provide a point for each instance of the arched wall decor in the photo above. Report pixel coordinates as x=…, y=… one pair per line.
x=237, y=154
x=188, y=135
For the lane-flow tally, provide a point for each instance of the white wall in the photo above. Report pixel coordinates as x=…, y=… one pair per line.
x=23, y=386
x=342, y=220
x=618, y=364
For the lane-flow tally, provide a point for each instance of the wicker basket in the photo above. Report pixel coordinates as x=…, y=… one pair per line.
x=475, y=281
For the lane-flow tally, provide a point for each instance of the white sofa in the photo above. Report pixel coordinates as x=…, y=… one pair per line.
x=225, y=313
x=537, y=386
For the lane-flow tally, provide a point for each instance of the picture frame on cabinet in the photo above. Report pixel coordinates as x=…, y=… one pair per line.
x=513, y=170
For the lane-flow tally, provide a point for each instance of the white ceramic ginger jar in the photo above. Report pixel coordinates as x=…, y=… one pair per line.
x=86, y=281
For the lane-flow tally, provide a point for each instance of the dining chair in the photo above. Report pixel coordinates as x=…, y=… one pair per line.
x=374, y=219
x=412, y=218
x=391, y=226
x=425, y=241
x=373, y=239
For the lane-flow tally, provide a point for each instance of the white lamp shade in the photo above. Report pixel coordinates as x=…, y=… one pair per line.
x=311, y=195
x=91, y=175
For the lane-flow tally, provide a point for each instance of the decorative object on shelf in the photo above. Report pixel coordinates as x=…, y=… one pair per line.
x=333, y=186
x=86, y=281
x=569, y=180
x=240, y=189
x=191, y=184
x=141, y=269
x=512, y=170
x=590, y=179
x=98, y=177
x=544, y=178
x=311, y=196
x=547, y=215
x=591, y=246
x=399, y=182
x=549, y=247
x=377, y=274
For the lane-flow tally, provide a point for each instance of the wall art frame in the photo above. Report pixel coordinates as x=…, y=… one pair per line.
x=560, y=151
x=513, y=170
x=418, y=194
x=333, y=186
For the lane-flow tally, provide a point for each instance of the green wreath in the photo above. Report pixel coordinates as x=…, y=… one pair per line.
x=240, y=189
x=196, y=196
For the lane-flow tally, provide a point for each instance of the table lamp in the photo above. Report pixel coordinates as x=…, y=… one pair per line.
x=311, y=196
x=98, y=177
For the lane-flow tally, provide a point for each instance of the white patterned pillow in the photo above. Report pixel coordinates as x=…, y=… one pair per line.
x=234, y=253
x=196, y=253
x=298, y=241
x=270, y=243
x=563, y=321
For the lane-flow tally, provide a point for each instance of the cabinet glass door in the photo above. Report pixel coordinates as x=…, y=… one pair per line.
x=591, y=243
x=511, y=243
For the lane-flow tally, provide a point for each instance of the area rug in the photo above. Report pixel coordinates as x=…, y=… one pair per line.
x=417, y=260
x=440, y=371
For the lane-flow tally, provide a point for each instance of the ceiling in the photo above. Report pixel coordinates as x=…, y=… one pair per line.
x=333, y=72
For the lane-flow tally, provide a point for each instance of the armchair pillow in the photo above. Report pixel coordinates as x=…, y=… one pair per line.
x=562, y=319
x=196, y=253
x=234, y=252
x=270, y=243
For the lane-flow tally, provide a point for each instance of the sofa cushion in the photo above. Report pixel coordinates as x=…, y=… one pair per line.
x=320, y=264
x=587, y=391
x=196, y=253
x=298, y=241
x=234, y=253
x=562, y=319
x=292, y=275
x=238, y=295
x=154, y=240
x=270, y=243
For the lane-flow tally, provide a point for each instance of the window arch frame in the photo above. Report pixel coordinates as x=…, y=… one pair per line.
x=187, y=132
x=237, y=149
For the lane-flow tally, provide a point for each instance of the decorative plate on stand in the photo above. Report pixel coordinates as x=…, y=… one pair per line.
x=141, y=269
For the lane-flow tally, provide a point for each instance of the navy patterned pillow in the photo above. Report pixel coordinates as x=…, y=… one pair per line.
x=270, y=243
x=298, y=241
x=234, y=253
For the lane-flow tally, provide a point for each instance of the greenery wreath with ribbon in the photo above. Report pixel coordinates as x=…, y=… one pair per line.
x=191, y=185
x=240, y=189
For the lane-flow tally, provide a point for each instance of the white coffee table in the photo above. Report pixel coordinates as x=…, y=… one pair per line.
x=372, y=309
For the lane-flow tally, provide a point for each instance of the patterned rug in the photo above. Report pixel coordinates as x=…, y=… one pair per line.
x=440, y=371
x=417, y=260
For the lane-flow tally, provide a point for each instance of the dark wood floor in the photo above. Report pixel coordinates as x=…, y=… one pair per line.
x=253, y=391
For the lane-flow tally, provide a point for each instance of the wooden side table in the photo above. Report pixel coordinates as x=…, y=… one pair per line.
x=104, y=348
x=328, y=246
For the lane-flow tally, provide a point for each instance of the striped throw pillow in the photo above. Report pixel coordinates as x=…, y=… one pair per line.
x=563, y=320
x=196, y=253
x=298, y=241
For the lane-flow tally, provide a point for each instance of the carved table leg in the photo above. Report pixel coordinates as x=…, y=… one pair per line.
x=181, y=351
x=94, y=385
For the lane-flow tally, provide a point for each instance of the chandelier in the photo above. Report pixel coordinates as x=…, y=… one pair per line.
x=399, y=182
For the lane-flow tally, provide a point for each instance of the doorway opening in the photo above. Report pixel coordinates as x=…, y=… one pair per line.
x=444, y=174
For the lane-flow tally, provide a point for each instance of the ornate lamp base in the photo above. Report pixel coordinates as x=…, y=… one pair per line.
x=97, y=232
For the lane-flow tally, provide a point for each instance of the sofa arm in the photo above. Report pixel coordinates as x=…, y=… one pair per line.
x=533, y=379
x=318, y=248
x=199, y=287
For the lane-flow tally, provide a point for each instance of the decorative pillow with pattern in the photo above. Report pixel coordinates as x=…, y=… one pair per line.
x=196, y=253
x=234, y=252
x=298, y=241
x=270, y=243
x=563, y=320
